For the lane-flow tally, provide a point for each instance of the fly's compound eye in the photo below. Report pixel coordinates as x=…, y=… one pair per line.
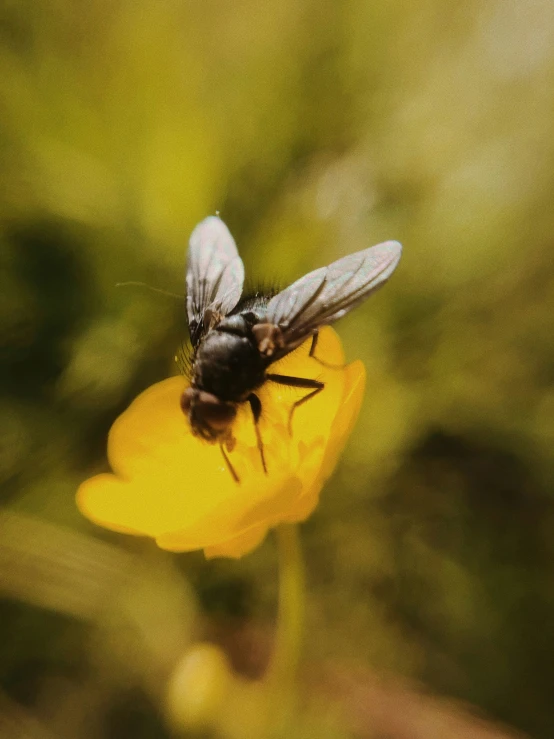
x=215, y=413
x=187, y=399
x=206, y=410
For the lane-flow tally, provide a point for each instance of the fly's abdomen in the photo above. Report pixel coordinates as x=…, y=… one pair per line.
x=228, y=366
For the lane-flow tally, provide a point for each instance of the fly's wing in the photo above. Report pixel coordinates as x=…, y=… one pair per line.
x=215, y=276
x=328, y=293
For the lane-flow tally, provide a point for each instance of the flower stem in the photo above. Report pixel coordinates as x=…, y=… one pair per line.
x=284, y=665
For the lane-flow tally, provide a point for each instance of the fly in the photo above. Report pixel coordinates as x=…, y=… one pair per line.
x=236, y=341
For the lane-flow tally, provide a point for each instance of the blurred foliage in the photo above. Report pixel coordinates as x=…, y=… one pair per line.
x=316, y=129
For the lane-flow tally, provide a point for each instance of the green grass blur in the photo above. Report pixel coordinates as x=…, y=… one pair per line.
x=316, y=129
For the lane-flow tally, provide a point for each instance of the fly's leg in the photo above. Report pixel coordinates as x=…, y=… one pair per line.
x=256, y=406
x=315, y=385
x=230, y=467
x=315, y=338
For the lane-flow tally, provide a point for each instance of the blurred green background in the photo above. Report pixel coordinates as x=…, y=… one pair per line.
x=316, y=129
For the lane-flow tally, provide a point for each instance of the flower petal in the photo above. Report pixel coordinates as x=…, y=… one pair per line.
x=342, y=426
x=239, y=545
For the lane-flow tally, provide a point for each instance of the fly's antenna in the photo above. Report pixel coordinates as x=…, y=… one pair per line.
x=167, y=293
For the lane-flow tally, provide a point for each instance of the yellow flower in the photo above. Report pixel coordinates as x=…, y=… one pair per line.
x=176, y=488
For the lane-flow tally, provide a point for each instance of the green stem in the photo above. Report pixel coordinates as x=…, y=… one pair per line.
x=286, y=655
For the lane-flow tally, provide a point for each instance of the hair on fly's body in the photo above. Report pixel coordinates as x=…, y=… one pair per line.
x=185, y=359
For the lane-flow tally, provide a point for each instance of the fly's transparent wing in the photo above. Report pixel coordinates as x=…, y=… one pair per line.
x=328, y=293
x=215, y=275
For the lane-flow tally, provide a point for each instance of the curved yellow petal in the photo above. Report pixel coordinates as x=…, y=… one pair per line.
x=239, y=545
x=342, y=427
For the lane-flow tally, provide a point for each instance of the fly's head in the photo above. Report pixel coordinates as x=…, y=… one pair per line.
x=210, y=418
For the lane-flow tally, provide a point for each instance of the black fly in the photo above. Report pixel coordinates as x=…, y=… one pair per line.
x=235, y=342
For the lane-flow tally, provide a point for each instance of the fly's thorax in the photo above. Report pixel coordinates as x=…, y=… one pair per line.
x=228, y=365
